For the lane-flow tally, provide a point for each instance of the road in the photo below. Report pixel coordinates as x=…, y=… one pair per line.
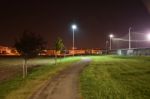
x=63, y=86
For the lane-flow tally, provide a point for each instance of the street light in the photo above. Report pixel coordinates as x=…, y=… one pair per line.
x=73, y=28
x=148, y=37
x=110, y=36
x=130, y=38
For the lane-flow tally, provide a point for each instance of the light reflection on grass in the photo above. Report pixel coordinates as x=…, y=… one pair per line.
x=116, y=77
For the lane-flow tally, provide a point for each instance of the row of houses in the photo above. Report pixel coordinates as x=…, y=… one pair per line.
x=71, y=52
x=51, y=52
x=8, y=51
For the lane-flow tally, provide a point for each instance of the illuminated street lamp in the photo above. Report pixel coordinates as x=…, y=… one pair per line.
x=111, y=36
x=73, y=28
x=148, y=37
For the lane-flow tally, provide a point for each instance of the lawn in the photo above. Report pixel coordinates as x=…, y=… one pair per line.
x=40, y=70
x=116, y=77
x=12, y=66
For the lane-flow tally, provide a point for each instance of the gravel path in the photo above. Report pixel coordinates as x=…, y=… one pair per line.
x=64, y=85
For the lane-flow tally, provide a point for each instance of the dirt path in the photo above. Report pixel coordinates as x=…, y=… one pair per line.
x=63, y=86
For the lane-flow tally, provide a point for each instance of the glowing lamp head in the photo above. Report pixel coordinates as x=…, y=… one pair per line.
x=148, y=36
x=74, y=27
x=111, y=35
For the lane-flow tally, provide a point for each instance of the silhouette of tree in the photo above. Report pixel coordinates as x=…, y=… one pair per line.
x=59, y=46
x=29, y=45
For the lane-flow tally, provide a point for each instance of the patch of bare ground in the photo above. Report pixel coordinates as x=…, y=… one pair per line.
x=64, y=85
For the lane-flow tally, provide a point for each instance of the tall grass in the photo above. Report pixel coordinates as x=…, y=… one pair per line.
x=112, y=77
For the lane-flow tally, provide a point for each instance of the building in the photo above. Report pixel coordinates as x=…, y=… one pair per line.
x=8, y=51
x=77, y=51
x=85, y=51
x=51, y=52
x=134, y=51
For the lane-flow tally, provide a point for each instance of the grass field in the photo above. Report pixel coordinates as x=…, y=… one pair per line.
x=12, y=66
x=114, y=77
x=40, y=70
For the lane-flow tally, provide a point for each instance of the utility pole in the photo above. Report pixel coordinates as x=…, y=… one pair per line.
x=110, y=38
x=129, y=38
x=107, y=46
x=73, y=28
x=73, y=42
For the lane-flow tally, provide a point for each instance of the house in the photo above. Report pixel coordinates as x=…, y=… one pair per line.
x=4, y=50
x=8, y=51
x=85, y=51
x=77, y=51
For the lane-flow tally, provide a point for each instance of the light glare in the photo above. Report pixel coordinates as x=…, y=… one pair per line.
x=74, y=27
x=111, y=35
x=148, y=36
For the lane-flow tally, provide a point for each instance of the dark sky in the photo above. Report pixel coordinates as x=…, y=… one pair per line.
x=95, y=20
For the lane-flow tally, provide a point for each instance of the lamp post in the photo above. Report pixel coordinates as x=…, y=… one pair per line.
x=107, y=47
x=110, y=36
x=73, y=28
x=129, y=38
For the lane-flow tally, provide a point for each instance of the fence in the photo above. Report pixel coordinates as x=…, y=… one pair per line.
x=134, y=52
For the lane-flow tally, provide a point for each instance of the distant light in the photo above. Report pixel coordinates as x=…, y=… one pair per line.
x=111, y=35
x=148, y=37
x=74, y=26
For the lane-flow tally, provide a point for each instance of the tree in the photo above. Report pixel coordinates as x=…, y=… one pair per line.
x=29, y=45
x=59, y=45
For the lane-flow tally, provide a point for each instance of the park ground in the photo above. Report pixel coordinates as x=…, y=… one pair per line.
x=105, y=77
x=115, y=77
x=13, y=86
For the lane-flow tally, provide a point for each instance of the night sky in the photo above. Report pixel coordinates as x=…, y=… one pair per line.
x=52, y=19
